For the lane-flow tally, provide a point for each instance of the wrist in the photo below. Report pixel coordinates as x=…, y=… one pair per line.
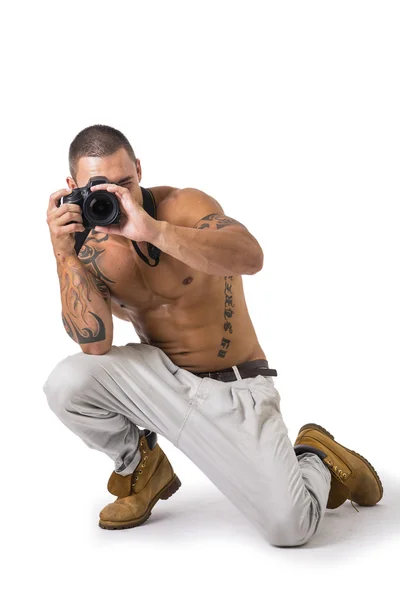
x=156, y=232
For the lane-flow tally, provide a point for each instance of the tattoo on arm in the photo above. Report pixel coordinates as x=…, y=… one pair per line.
x=83, y=325
x=75, y=291
x=87, y=335
x=215, y=221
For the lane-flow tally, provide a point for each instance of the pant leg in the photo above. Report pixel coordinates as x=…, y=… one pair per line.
x=104, y=399
x=233, y=431
x=235, y=434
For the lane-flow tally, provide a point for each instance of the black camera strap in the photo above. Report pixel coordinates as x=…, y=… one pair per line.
x=149, y=205
x=80, y=237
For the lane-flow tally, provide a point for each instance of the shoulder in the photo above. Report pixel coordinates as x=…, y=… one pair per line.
x=162, y=192
x=185, y=206
x=191, y=197
x=174, y=198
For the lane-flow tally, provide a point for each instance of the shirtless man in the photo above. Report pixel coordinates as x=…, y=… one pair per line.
x=199, y=376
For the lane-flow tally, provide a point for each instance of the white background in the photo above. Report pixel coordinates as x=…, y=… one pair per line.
x=288, y=114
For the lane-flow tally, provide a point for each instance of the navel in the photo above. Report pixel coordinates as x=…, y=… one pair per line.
x=187, y=280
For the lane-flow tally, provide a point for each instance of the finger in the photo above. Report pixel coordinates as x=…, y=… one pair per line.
x=69, y=216
x=109, y=187
x=72, y=227
x=73, y=210
x=54, y=198
x=60, y=230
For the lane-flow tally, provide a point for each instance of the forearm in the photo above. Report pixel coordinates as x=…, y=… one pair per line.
x=86, y=311
x=219, y=252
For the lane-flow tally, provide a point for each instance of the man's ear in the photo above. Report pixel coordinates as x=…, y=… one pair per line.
x=139, y=170
x=71, y=183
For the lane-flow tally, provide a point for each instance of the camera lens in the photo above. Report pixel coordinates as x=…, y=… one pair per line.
x=101, y=208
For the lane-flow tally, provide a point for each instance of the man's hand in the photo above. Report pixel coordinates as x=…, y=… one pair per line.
x=64, y=221
x=135, y=223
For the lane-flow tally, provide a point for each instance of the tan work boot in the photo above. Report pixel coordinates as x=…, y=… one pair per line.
x=152, y=480
x=353, y=477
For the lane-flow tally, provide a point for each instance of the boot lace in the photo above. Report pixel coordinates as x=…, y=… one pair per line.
x=137, y=472
x=342, y=476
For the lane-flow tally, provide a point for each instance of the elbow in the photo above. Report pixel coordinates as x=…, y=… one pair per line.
x=257, y=263
x=254, y=257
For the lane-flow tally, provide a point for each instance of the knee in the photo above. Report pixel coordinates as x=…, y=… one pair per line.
x=288, y=532
x=66, y=380
x=284, y=536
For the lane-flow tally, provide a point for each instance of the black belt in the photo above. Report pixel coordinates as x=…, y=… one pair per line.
x=251, y=368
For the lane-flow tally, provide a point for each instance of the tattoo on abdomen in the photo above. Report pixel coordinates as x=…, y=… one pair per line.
x=228, y=312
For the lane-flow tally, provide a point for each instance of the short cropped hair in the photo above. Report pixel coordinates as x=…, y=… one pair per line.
x=97, y=140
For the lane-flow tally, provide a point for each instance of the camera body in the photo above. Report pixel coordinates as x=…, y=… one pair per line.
x=98, y=208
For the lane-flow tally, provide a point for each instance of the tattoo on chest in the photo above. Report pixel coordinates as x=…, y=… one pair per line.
x=228, y=312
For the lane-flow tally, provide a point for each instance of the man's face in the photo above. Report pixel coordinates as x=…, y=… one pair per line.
x=118, y=168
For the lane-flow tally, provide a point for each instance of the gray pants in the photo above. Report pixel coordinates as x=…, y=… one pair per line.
x=233, y=431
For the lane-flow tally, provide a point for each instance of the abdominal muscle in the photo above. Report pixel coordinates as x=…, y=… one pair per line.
x=204, y=327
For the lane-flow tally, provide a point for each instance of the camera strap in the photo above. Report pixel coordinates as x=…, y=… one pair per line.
x=149, y=205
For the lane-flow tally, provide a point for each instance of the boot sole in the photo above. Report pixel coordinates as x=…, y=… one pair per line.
x=166, y=492
x=322, y=430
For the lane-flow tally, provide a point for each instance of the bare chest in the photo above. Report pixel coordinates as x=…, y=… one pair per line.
x=136, y=286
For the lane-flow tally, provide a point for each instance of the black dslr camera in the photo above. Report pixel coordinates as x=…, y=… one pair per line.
x=98, y=208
